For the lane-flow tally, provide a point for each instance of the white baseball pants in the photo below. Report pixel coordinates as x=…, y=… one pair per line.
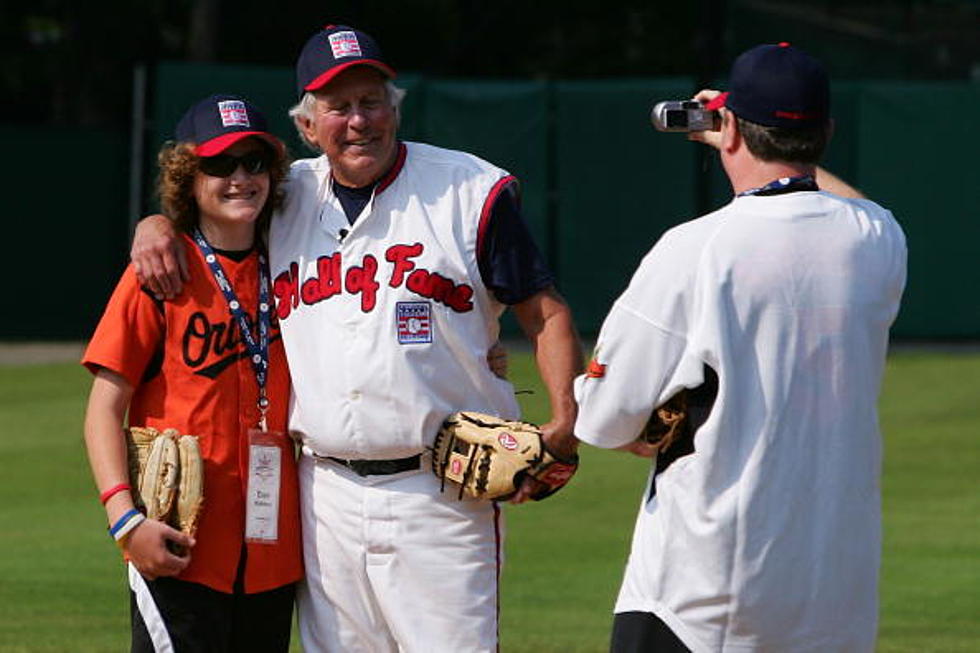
x=393, y=565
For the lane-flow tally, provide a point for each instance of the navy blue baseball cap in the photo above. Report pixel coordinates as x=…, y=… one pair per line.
x=332, y=50
x=217, y=122
x=777, y=86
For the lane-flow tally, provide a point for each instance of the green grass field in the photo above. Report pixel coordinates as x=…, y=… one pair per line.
x=62, y=587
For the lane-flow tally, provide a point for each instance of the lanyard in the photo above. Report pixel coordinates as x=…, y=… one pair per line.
x=258, y=352
x=783, y=185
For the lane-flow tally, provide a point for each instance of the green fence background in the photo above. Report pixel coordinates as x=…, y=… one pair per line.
x=64, y=213
x=599, y=184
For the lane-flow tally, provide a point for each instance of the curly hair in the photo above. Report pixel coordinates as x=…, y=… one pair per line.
x=175, y=184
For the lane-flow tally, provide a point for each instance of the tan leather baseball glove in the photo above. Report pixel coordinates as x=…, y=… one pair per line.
x=167, y=474
x=487, y=457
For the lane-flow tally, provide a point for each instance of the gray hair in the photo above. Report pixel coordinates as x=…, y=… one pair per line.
x=303, y=110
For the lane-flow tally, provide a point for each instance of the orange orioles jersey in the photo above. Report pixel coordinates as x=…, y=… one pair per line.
x=190, y=369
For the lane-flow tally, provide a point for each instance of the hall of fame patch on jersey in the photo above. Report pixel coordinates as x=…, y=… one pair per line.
x=413, y=322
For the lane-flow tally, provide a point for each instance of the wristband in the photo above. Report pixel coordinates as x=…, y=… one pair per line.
x=125, y=524
x=114, y=490
x=123, y=535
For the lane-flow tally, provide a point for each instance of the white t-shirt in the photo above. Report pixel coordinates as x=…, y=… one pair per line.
x=767, y=537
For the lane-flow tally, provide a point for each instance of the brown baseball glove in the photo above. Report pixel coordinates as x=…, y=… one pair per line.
x=668, y=424
x=190, y=491
x=139, y=439
x=167, y=472
x=487, y=457
x=158, y=476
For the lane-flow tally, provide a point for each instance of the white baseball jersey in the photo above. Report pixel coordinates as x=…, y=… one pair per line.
x=386, y=325
x=767, y=537
x=387, y=328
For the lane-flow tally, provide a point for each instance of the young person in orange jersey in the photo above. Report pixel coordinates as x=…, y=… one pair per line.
x=209, y=362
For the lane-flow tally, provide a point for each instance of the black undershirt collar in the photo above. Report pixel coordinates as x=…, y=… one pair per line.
x=353, y=200
x=236, y=255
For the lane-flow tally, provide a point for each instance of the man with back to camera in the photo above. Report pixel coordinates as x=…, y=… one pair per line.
x=391, y=264
x=772, y=314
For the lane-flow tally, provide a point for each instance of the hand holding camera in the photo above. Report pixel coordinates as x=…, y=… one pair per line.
x=683, y=116
x=690, y=117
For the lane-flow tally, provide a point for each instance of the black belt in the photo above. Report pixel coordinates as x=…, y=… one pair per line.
x=377, y=467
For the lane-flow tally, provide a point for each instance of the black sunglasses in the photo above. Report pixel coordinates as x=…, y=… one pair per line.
x=223, y=165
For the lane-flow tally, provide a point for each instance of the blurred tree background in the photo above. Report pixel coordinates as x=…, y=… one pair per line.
x=70, y=63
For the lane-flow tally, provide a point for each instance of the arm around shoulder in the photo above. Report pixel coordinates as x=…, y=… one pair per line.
x=158, y=256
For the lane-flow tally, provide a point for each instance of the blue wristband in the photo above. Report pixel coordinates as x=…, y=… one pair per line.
x=115, y=528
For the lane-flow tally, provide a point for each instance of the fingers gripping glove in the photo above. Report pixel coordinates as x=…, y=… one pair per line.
x=668, y=423
x=487, y=457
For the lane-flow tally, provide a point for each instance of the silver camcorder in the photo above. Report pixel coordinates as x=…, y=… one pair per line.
x=683, y=116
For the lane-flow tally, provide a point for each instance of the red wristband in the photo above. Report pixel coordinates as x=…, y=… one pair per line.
x=115, y=489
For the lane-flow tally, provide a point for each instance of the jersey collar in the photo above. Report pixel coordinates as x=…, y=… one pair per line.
x=389, y=177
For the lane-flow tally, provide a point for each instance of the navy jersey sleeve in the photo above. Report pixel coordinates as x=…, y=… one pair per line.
x=510, y=263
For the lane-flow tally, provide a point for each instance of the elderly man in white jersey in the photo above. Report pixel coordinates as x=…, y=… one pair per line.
x=391, y=264
x=772, y=314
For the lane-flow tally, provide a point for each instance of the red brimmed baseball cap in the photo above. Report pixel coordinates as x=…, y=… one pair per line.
x=777, y=86
x=216, y=123
x=333, y=50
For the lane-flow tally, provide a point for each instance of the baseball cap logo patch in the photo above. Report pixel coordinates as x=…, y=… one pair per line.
x=233, y=113
x=344, y=44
